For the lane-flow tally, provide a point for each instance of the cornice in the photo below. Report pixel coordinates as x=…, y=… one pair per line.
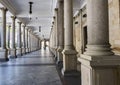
x=9, y=6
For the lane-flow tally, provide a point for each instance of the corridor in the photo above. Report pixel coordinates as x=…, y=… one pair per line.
x=36, y=68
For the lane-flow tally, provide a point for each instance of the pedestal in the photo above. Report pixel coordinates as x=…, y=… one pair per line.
x=3, y=55
x=27, y=50
x=13, y=53
x=60, y=56
x=19, y=52
x=70, y=63
x=23, y=50
x=102, y=70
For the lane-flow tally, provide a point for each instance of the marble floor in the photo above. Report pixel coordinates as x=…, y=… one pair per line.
x=36, y=68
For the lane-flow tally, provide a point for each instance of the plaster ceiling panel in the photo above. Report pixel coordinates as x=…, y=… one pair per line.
x=41, y=9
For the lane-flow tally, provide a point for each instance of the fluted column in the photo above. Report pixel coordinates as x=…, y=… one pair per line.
x=99, y=66
x=3, y=50
x=69, y=53
x=60, y=31
x=23, y=50
x=19, y=49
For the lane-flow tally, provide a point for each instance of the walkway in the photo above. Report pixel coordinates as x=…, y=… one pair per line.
x=36, y=68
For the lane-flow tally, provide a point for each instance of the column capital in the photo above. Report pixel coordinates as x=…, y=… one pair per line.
x=54, y=17
x=13, y=17
x=9, y=26
x=53, y=22
x=61, y=1
x=24, y=25
x=4, y=9
x=19, y=22
x=56, y=9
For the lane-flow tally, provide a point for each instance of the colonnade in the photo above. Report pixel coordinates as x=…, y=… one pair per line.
x=99, y=65
x=26, y=40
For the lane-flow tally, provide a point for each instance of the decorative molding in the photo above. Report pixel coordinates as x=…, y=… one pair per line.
x=9, y=6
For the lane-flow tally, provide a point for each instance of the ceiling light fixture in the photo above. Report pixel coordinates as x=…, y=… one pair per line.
x=39, y=28
x=30, y=10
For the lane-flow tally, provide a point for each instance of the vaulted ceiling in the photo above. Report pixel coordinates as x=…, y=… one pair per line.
x=42, y=13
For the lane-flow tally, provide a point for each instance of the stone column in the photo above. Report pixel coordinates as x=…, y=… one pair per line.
x=56, y=32
x=19, y=49
x=13, y=48
x=99, y=66
x=9, y=27
x=60, y=31
x=26, y=40
x=23, y=50
x=3, y=50
x=39, y=43
x=29, y=40
x=44, y=43
x=8, y=43
x=69, y=53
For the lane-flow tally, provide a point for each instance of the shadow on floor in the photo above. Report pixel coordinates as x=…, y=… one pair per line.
x=69, y=80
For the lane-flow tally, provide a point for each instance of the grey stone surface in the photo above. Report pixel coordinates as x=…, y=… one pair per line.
x=36, y=68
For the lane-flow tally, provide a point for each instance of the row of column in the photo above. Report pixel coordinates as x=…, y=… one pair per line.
x=98, y=60
x=62, y=36
x=30, y=41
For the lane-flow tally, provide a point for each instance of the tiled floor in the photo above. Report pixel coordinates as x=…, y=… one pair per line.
x=36, y=68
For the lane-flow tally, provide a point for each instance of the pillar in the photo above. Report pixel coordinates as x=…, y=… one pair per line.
x=19, y=48
x=8, y=43
x=23, y=49
x=99, y=66
x=39, y=43
x=69, y=53
x=9, y=27
x=44, y=43
x=60, y=31
x=13, y=48
x=3, y=50
x=56, y=42
x=27, y=40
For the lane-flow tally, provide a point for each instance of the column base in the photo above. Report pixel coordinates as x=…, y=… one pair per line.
x=60, y=57
x=13, y=53
x=98, y=50
x=69, y=63
x=102, y=70
x=27, y=50
x=19, y=52
x=23, y=50
x=72, y=73
x=4, y=55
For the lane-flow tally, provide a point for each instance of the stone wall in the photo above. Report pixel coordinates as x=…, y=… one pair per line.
x=114, y=25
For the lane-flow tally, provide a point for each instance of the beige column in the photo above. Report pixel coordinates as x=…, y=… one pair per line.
x=39, y=43
x=56, y=32
x=13, y=48
x=23, y=50
x=9, y=27
x=3, y=50
x=60, y=31
x=19, y=49
x=8, y=42
x=27, y=40
x=99, y=66
x=69, y=53
x=30, y=40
